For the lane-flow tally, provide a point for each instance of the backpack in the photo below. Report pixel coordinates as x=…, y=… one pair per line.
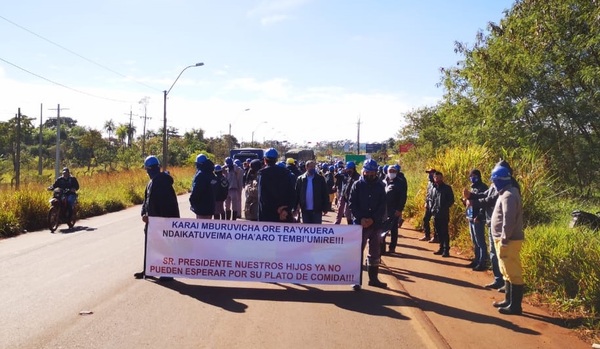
x=222, y=188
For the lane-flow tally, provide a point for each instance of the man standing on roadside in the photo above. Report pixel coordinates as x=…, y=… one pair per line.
x=442, y=197
x=507, y=230
x=160, y=200
x=427, y=215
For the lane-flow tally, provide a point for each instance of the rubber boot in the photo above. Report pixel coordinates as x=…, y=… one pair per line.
x=234, y=215
x=507, y=298
x=373, y=279
x=516, y=298
x=228, y=214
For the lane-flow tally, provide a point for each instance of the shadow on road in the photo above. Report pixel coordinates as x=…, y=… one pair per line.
x=75, y=229
x=365, y=301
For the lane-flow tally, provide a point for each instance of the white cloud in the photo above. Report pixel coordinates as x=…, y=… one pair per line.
x=274, y=11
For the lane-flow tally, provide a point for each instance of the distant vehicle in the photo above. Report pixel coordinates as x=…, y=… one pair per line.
x=300, y=154
x=246, y=153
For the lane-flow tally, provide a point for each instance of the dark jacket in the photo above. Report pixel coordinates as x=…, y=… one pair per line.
x=320, y=192
x=70, y=183
x=395, y=193
x=477, y=209
x=160, y=199
x=275, y=189
x=202, y=198
x=348, y=182
x=442, y=197
x=367, y=200
x=486, y=200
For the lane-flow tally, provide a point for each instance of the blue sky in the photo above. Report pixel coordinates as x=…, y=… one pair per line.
x=307, y=70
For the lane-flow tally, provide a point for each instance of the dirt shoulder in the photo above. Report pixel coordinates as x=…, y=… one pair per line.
x=454, y=300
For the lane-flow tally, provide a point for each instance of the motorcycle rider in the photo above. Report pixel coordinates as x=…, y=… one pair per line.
x=69, y=185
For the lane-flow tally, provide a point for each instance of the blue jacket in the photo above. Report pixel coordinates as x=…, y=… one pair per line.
x=202, y=199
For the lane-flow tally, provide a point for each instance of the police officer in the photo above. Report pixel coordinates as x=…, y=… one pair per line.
x=367, y=203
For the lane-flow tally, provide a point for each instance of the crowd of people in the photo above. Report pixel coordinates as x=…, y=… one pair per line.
x=374, y=198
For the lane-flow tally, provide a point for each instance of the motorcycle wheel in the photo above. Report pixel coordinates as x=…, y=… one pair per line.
x=53, y=218
x=71, y=223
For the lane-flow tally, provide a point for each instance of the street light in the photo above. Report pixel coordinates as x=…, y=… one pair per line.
x=247, y=109
x=165, y=93
x=257, y=126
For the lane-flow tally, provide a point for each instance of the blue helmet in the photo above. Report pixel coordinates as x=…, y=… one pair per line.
x=228, y=161
x=201, y=158
x=248, y=160
x=396, y=167
x=281, y=164
x=385, y=168
x=350, y=165
x=271, y=153
x=501, y=177
x=325, y=166
x=370, y=165
x=331, y=168
x=218, y=168
x=340, y=163
x=151, y=160
x=238, y=162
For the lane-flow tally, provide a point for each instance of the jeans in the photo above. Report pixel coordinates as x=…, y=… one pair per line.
x=479, y=246
x=312, y=216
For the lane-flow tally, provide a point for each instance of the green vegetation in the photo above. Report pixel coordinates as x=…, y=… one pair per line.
x=27, y=208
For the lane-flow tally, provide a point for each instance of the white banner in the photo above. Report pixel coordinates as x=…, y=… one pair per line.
x=254, y=251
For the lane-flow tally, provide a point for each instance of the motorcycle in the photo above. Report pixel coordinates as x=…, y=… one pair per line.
x=59, y=212
x=582, y=218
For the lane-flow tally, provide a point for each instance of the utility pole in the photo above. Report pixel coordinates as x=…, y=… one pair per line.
x=40, y=146
x=130, y=128
x=144, y=101
x=57, y=161
x=358, y=136
x=18, y=154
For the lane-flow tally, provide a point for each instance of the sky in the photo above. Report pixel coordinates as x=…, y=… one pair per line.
x=290, y=70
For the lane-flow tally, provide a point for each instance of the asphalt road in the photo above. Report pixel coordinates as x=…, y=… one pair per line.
x=75, y=289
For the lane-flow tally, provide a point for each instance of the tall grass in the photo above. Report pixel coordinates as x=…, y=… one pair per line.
x=26, y=209
x=560, y=264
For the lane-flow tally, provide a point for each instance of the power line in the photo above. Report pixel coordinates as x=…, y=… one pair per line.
x=77, y=54
x=62, y=85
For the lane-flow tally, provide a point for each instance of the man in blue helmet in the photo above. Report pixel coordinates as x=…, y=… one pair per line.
x=202, y=198
x=508, y=233
x=160, y=199
x=70, y=186
x=351, y=176
x=276, y=195
x=233, y=203
x=396, y=189
x=367, y=203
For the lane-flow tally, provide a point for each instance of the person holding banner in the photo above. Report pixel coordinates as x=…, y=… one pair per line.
x=312, y=195
x=276, y=195
x=160, y=200
x=368, y=205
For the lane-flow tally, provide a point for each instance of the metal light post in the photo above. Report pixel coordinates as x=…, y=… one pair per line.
x=257, y=126
x=165, y=157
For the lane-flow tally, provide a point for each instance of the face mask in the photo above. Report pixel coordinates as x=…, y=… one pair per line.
x=474, y=179
x=392, y=175
x=152, y=172
x=311, y=171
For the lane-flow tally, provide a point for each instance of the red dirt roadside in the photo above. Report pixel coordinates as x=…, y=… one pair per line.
x=457, y=307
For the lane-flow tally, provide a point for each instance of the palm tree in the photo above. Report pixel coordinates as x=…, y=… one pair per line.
x=109, y=126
